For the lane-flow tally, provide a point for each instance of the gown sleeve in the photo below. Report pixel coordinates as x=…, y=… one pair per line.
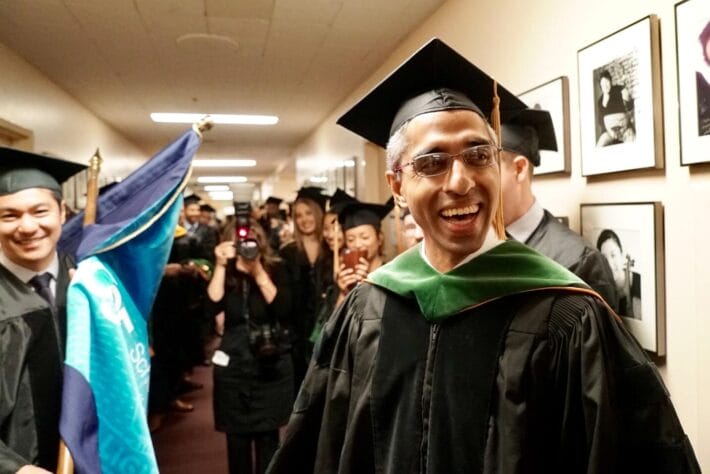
x=317, y=431
x=14, y=388
x=576, y=393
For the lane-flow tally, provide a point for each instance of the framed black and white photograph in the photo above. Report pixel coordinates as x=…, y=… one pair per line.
x=553, y=96
x=630, y=237
x=692, y=18
x=620, y=104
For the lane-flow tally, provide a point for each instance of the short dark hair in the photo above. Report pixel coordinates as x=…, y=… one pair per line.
x=607, y=234
x=603, y=74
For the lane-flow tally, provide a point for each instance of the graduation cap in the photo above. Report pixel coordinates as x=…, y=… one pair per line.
x=314, y=193
x=338, y=200
x=191, y=199
x=528, y=132
x=434, y=79
x=273, y=200
x=356, y=213
x=206, y=207
x=23, y=170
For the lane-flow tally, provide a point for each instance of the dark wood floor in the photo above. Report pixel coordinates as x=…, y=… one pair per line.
x=187, y=442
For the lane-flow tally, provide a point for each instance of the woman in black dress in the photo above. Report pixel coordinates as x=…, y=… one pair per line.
x=253, y=371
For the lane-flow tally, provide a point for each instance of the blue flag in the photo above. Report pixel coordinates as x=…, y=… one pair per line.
x=121, y=261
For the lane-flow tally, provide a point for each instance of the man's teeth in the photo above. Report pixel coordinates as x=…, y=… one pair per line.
x=459, y=211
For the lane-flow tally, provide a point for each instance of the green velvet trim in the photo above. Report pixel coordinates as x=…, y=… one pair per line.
x=509, y=268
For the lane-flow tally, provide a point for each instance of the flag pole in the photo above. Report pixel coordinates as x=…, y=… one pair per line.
x=65, y=463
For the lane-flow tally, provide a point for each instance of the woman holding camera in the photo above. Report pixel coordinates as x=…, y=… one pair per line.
x=362, y=228
x=253, y=371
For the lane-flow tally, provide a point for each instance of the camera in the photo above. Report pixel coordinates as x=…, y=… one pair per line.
x=247, y=247
x=264, y=341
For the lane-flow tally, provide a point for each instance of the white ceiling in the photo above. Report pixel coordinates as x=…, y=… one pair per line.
x=297, y=59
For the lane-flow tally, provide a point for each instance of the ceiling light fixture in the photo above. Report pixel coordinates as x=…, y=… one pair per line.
x=232, y=119
x=221, y=195
x=221, y=179
x=318, y=179
x=223, y=163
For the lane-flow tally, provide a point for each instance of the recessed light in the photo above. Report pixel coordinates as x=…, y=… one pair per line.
x=232, y=119
x=223, y=163
x=318, y=179
x=216, y=187
x=221, y=179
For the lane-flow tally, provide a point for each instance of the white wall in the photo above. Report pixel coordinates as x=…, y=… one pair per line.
x=61, y=125
x=524, y=44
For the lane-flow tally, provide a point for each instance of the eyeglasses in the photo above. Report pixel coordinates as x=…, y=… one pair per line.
x=435, y=164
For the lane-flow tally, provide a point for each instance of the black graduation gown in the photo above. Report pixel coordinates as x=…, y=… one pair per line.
x=252, y=395
x=545, y=382
x=570, y=250
x=32, y=344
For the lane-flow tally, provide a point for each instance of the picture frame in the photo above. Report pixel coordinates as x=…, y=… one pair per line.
x=69, y=193
x=620, y=102
x=553, y=96
x=80, y=186
x=692, y=27
x=630, y=236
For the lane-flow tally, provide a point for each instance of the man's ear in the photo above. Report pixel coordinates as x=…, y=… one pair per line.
x=394, y=181
x=521, y=165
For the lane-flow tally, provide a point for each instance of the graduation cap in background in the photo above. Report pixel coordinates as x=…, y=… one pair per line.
x=528, y=132
x=356, y=213
x=315, y=194
x=207, y=208
x=21, y=170
x=191, y=199
x=338, y=200
x=435, y=78
x=273, y=200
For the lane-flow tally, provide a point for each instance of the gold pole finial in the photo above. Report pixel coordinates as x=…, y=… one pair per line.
x=205, y=124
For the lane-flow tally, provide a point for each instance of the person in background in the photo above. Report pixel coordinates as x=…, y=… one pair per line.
x=628, y=282
x=524, y=134
x=33, y=283
x=271, y=221
x=253, y=369
x=334, y=238
x=470, y=352
x=362, y=227
x=411, y=232
x=309, y=262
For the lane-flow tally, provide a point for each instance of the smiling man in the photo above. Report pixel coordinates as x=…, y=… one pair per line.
x=471, y=353
x=33, y=283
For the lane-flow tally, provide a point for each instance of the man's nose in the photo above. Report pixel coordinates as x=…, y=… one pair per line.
x=460, y=178
x=28, y=224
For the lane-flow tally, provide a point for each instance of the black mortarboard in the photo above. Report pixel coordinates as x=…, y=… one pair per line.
x=338, y=200
x=528, y=132
x=23, y=170
x=358, y=213
x=191, y=199
x=313, y=193
x=435, y=78
x=273, y=200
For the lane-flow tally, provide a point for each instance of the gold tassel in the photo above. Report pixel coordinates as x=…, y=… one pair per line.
x=498, y=222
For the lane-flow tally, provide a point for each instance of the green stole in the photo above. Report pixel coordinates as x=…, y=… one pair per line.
x=510, y=267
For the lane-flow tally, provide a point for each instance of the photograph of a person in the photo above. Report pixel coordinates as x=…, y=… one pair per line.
x=620, y=103
x=702, y=79
x=553, y=96
x=615, y=104
x=693, y=54
x=630, y=237
x=622, y=264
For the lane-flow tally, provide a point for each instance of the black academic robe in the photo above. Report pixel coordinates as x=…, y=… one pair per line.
x=32, y=343
x=544, y=381
x=570, y=250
